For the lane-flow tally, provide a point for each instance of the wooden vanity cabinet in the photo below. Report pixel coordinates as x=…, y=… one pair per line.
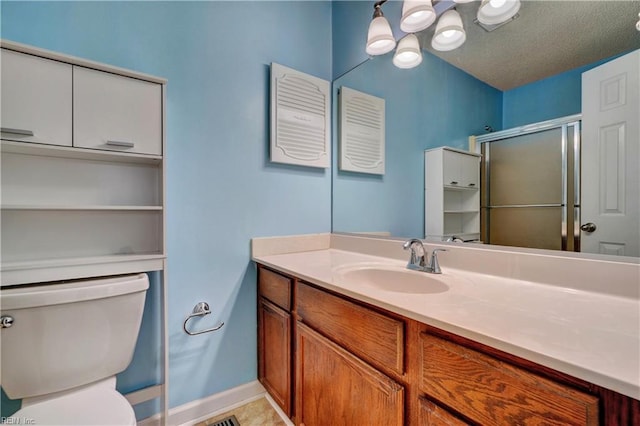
x=330, y=360
x=275, y=336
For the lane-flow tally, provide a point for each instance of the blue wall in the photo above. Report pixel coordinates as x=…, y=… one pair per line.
x=221, y=188
x=553, y=97
x=432, y=105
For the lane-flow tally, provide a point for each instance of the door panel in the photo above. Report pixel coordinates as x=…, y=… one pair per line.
x=333, y=387
x=610, y=157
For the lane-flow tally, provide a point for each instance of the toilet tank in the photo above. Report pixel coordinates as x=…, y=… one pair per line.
x=69, y=334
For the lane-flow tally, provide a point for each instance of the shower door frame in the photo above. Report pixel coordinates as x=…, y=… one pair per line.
x=571, y=123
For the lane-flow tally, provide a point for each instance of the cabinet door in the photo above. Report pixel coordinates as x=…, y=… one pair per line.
x=113, y=112
x=451, y=168
x=461, y=170
x=36, y=99
x=333, y=387
x=274, y=353
x=469, y=171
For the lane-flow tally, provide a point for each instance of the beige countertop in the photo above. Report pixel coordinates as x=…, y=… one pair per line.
x=591, y=335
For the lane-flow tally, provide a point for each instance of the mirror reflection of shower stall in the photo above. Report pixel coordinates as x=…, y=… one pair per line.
x=530, y=191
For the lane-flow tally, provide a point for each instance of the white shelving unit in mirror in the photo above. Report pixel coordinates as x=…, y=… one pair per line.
x=452, y=194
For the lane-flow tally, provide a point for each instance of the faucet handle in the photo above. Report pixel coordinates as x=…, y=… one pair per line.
x=434, y=266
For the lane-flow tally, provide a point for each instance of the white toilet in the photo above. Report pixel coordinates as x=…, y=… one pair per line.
x=65, y=345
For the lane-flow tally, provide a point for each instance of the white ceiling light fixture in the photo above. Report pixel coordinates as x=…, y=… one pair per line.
x=449, y=33
x=492, y=12
x=408, y=53
x=417, y=15
x=380, y=39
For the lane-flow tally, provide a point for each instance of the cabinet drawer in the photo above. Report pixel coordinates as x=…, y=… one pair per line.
x=492, y=392
x=368, y=334
x=275, y=287
x=36, y=99
x=112, y=112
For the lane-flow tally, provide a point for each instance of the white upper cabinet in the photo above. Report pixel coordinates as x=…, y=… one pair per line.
x=114, y=112
x=36, y=99
x=461, y=169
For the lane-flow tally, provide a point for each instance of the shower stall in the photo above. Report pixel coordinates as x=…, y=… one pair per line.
x=530, y=185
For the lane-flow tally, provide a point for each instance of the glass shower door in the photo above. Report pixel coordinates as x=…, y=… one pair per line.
x=527, y=198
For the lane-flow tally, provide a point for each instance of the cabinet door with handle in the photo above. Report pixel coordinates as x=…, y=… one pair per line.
x=36, y=99
x=117, y=113
x=461, y=170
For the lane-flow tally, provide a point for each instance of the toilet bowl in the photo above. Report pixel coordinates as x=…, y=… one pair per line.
x=66, y=343
x=96, y=404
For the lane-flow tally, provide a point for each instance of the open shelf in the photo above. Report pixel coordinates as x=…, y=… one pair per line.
x=460, y=188
x=78, y=208
x=460, y=211
x=31, y=148
x=37, y=271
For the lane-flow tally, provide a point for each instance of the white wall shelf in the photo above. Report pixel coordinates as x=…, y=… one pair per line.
x=78, y=153
x=82, y=174
x=452, y=194
x=79, y=207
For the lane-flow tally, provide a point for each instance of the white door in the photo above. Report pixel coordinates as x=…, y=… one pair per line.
x=610, y=217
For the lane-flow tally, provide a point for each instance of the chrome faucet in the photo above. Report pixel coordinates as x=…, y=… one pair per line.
x=418, y=263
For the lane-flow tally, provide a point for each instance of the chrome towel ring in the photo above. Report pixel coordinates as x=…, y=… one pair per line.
x=201, y=309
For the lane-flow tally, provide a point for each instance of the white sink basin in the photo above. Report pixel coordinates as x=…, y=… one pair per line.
x=392, y=279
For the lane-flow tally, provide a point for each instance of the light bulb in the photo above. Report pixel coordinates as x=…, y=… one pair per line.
x=497, y=3
x=408, y=54
x=448, y=33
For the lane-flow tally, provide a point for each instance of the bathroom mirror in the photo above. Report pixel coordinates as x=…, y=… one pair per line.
x=438, y=104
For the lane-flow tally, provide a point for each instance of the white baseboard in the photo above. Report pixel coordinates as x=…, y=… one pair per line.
x=196, y=411
x=287, y=421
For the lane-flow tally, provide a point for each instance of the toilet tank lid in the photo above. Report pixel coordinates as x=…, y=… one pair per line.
x=71, y=291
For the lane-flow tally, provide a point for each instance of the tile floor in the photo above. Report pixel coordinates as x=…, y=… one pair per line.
x=256, y=413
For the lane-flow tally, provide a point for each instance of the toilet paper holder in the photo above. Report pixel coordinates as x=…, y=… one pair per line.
x=201, y=309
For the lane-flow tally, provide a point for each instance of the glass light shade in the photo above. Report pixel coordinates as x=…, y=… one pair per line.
x=380, y=38
x=492, y=12
x=417, y=15
x=408, y=54
x=449, y=33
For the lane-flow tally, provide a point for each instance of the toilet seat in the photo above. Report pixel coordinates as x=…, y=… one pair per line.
x=89, y=406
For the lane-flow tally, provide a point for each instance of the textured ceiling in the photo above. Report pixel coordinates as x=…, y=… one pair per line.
x=549, y=37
